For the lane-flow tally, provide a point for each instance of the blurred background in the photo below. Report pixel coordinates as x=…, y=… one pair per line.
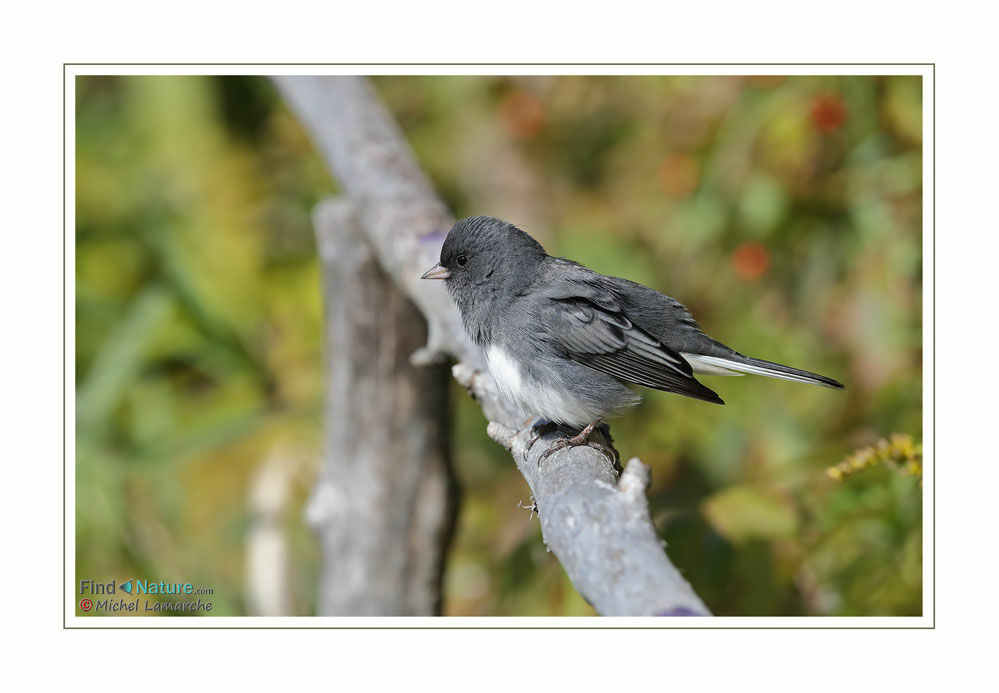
x=785, y=212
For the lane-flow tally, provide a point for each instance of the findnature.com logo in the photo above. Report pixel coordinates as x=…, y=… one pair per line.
x=131, y=596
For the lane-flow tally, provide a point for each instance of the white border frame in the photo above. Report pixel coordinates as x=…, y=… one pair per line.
x=927, y=620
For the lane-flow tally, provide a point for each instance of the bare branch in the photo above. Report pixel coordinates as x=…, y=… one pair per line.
x=268, y=569
x=384, y=503
x=394, y=202
x=595, y=523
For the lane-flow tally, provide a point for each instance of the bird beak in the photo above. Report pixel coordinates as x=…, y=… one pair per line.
x=438, y=271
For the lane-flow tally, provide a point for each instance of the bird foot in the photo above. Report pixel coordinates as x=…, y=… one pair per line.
x=583, y=438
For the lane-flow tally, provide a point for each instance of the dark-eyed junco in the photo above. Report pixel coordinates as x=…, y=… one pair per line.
x=561, y=340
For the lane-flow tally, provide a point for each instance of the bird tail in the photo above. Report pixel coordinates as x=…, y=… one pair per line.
x=737, y=364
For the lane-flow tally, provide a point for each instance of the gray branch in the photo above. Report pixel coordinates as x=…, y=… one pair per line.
x=595, y=521
x=384, y=502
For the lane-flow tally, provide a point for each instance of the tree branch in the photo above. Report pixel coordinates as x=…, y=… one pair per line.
x=596, y=523
x=383, y=506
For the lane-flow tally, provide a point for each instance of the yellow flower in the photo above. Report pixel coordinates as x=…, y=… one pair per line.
x=899, y=451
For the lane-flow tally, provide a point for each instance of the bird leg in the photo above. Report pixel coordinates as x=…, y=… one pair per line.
x=583, y=438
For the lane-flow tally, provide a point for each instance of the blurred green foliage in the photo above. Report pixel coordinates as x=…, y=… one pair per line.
x=785, y=212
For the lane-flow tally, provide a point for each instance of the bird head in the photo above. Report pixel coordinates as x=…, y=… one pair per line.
x=483, y=252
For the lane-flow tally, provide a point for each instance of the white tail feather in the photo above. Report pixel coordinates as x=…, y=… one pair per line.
x=701, y=365
x=716, y=365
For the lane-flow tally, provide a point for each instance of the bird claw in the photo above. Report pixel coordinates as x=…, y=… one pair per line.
x=581, y=438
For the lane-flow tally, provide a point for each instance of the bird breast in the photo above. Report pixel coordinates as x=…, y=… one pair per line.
x=550, y=399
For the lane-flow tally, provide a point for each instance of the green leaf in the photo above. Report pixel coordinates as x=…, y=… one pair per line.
x=120, y=357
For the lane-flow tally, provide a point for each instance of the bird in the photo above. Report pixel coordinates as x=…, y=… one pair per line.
x=566, y=344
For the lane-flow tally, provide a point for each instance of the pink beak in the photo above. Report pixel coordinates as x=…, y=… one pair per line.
x=438, y=271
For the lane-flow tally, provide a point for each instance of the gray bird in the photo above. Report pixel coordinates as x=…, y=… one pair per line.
x=561, y=340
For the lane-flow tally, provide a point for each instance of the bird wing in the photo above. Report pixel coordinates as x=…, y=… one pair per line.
x=587, y=323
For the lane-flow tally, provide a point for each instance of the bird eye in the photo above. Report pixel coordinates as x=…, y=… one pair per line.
x=461, y=260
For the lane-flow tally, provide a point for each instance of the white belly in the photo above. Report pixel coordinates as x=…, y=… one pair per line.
x=536, y=398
